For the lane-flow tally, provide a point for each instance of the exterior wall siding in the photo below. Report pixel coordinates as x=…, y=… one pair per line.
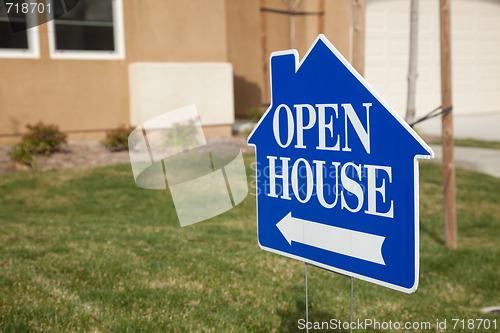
x=86, y=97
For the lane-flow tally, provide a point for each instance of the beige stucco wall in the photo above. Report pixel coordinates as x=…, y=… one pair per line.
x=82, y=95
x=176, y=31
x=277, y=26
x=245, y=53
x=75, y=95
x=86, y=95
x=338, y=25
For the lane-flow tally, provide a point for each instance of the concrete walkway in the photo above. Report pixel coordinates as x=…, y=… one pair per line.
x=476, y=159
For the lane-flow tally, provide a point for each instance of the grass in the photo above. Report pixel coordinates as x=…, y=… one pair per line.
x=475, y=143
x=85, y=250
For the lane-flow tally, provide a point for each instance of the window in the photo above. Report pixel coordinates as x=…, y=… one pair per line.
x=92, y=29
x=16, y=41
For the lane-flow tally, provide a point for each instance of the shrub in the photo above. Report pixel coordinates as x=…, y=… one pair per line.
x=40, y=139
x=181, y=135
x=20, y=154
x=254, y=114
x=117, y=139
x=43, y=139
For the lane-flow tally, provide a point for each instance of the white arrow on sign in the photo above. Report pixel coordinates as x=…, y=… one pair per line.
x=348, y=242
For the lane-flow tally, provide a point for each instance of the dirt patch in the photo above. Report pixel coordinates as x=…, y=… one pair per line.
x=86, y=153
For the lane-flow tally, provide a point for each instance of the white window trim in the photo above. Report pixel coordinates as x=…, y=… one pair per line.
x=33, y=50
x=118, y=31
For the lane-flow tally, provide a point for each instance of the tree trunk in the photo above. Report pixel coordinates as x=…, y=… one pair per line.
x=358, y=50
x=412, y=68
x=292, y=6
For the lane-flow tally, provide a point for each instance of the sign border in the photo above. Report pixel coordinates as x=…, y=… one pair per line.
x=405, y=125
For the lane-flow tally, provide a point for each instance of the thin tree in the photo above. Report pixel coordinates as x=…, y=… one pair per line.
x=292, y=6
x=358, y=37
x=412, y=68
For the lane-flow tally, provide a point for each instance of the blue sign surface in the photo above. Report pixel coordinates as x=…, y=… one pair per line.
x=337, y=172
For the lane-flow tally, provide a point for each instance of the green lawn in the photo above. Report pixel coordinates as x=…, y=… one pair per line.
x=477, y=143
x=474, y=143
x=85, y=250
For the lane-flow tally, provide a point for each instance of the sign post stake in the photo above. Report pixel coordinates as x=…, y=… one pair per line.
x=450, y=216
x=352, y=301
x=307, y=303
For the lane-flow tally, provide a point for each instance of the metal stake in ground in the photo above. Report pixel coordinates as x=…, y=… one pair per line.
x=307, y=303
x=352, y=301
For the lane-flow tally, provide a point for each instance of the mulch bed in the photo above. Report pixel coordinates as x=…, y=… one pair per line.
x=85, y=153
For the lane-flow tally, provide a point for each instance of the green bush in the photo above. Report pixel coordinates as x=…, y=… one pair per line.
x=40, y=139
x=254, y=114
x=181, y=135
x=117, y=139
x=20, y=154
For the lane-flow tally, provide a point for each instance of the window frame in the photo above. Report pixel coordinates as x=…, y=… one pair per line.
x=118, y=34
x=33, y=38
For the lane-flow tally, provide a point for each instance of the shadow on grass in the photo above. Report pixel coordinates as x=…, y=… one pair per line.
x=434, y=236
x=293, y=320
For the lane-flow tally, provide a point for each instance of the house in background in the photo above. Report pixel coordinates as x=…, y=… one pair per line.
x=91, y=69
x=107, y=63
x=475, y=32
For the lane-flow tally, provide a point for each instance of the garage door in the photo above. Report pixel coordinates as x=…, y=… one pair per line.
x=476, y=60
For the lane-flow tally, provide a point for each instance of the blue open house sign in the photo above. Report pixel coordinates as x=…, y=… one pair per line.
x=337, y=172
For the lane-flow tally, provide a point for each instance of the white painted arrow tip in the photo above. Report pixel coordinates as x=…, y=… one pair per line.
x=283, y=226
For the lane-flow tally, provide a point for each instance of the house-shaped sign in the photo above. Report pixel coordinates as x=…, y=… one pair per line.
x=337, y=172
